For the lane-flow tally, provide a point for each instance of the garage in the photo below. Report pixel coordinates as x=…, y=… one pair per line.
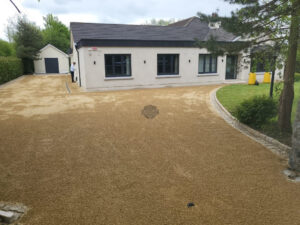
x=51, y=60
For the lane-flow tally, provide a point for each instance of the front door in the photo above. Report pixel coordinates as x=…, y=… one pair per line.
x=51, y=65
x=231, y=66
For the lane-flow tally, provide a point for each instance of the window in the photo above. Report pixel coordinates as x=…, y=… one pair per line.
x=167, y=64
x=262, y=65
x=207, y=63
x=117, y=65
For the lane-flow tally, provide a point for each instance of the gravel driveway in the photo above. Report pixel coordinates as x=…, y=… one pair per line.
x=94, y=158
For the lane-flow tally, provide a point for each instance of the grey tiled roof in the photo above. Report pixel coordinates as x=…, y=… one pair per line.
x=185, y=30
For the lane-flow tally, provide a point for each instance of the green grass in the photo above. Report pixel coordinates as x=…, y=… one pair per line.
x=232, y=95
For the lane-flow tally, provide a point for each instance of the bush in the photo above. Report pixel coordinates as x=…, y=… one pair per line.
x=10, y=68
x=256, y=111
x=7, y=49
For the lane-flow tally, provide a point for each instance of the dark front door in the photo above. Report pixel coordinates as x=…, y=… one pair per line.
x=231, y=66
x=51, y=65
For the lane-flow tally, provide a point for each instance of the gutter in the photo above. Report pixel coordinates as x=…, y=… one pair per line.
x=76, y=47
x=237, y=38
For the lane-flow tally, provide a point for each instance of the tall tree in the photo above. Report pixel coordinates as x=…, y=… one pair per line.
x=261, y=22
x=287, y=96
x=28, y=41
x=56, y=33
x=298, y=59
x=294, y=158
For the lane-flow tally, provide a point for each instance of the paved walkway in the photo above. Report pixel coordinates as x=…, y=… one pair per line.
x=93, y=158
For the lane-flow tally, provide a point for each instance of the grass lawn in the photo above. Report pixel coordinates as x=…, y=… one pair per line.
x=232, y=95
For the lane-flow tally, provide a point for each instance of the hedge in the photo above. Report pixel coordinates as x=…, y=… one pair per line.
x=10, y=68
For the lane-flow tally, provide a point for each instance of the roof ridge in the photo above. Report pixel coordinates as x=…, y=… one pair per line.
x=123, y=24
x=186, y=21
x=51, y=45
x=189, y=21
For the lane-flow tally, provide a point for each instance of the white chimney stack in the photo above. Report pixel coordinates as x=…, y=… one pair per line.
x=214, y=25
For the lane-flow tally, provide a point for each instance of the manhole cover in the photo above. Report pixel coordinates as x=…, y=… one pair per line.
x=150, y=111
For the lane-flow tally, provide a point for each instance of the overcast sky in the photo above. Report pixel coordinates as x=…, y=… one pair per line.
x=109, y=11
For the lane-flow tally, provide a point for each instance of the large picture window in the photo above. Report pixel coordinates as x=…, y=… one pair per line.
x=207, y=64
x=117, y=65
x=167, y=64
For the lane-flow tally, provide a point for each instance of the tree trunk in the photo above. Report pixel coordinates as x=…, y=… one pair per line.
x=287, y=95
x=294, y=158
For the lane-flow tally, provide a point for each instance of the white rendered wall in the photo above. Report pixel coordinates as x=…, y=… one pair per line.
x=145, y=74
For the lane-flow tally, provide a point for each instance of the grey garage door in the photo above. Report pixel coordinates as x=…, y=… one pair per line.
x=51, y=65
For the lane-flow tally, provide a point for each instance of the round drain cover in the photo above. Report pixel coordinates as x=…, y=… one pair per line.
x=150, y=111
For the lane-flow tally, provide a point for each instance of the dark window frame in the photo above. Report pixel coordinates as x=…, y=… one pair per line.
x=260, y=66
x=164, y=66
x=117, y=75
x=210, y=64
x=262, y=60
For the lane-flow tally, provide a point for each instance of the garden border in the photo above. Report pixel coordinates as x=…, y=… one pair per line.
x=12, y=81
x=273, y=145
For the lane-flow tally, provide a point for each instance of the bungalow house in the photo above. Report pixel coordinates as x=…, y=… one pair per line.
x=117, y=56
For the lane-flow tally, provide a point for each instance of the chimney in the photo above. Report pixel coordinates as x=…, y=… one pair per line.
x=215, y=24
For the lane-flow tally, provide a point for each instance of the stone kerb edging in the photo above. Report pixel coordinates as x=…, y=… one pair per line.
x=275, y=146
x=12, y=81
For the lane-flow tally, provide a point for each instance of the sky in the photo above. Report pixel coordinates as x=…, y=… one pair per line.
x=108, y=11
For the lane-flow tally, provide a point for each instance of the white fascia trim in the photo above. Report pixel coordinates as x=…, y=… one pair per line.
x=237, y=38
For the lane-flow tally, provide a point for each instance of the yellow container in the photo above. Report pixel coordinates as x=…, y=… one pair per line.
x=252, y=78
x=267, y=77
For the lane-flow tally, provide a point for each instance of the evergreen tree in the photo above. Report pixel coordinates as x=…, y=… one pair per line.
x=56, y=33
x=294, y=157
x=264, y=22
x=28, y=41
x=298, y=59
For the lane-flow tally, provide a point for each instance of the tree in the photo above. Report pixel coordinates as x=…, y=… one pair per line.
x=287, y=95
x=6, y=48
x=161, y=22
x=298, y=59
x=56, y=33
x=294, y=159
x=28, y=41
x=273, y=22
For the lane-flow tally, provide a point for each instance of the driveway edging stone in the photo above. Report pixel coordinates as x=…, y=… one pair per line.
x=12, y=81
x=273, y=145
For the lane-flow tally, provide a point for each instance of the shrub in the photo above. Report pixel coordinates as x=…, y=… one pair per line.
x=256, y=111
x=7, y=48
x=10, y=68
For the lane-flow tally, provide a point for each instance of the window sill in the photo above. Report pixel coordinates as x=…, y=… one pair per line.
x=118, y=78
x=167, y=76
x=207, y=74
